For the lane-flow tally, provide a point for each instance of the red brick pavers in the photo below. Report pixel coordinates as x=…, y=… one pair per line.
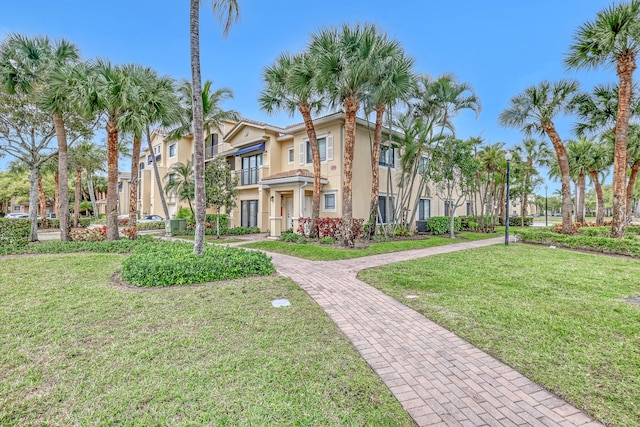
x=440, y=379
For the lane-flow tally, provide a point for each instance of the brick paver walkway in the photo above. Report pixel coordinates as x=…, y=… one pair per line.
x=438, y=378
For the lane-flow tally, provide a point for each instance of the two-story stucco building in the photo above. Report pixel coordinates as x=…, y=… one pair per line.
x=275, y=173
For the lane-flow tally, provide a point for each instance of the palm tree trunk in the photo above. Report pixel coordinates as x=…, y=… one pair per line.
x=133, y=186
x=599, y=197
x=76, y=206
x=563, y=163
x=633, y=176
x=165, y=209
x=350, y=108
x=34, y=172
x=56, y=180
x=375, y=170
x=305, y=110
x=625, y=68
x=112, y=179
x=42, y=202
x=198, y=137
x=580, y=190
x=62, y=208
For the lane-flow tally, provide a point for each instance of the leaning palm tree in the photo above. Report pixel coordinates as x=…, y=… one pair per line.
x=180, y=182
x=290, y=86
x=227, y=11
x=613, y=38
x=534, y=111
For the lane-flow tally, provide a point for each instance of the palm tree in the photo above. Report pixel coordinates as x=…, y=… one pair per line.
x=290, y=86
x=346, y=70
x=600, y=159
x=580, y=162
x=534, y=153
x=180, y=182
x=533, y=111
x=227, y=11
x=156, y=104
x=35, y=64
x=613, y=38
x=394, y=82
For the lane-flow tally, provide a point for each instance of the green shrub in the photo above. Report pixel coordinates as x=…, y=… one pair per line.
x=516, y=221
x=224, y=221
x=84, y=222
x=155, y=225
x=291, y=237
x=56, y=246
x=239, y=231
x=628, y=246
x=14, y=233
x=184, y=213
x=173, y=263
x=327, y=240
x=440, y=224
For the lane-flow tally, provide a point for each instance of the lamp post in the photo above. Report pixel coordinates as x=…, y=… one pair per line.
x=508, y=157
x=546, y=207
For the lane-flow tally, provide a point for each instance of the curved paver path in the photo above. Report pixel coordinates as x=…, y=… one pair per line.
x=439, y=378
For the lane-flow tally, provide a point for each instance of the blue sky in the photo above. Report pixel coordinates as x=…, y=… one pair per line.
x=498, y=46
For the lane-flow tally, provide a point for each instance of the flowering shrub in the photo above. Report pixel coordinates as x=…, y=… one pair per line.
x=94, y=234
x=330, y=227
x=129, y=232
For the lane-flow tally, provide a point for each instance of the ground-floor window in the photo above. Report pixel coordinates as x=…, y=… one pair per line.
x=424, y=209
x=385, y=204
x=329, y=202
x=469, y=208
x=448, y=205
x=249, y=213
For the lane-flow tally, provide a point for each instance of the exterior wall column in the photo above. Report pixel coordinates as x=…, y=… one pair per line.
x=275, y=214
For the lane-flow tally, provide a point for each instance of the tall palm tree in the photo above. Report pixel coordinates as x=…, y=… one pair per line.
x=109, y=91
x=156, y=104
x=613, y=38
x=346, y=69
x=36, y=64
x=534, y=153
x=534, y=111
x=580, y=157
x=393, y=82
x=227, y=11
x=290, y=86
x=180, y=182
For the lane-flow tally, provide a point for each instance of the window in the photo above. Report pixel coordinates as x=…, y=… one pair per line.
x=16, y=208
x=149, y=159
x=140, y=168
x=249, y=213
x=290, y=152
x=448, y=205
x=120, y=187
x=156, y=149
x=424, y=209
x=469, y=208
x=329, y=202
x=387, y=156
x=422, y=168
x=171, y=177
x=385, y=209
x=250, y=166
x=325, y=146
x=172, y=150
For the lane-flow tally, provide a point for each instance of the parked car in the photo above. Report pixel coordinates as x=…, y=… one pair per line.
x=15, y=215
x=151, y=218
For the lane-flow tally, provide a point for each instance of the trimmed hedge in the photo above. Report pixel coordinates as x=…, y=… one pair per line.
x=441, y=224
x=591, y=240
x=516, y=221
x=103, y=246
x=14, y=233
x=173, y=263
x=155, y=225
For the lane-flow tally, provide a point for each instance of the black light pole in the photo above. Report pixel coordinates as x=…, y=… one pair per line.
x=508, y=157
x=546, y=207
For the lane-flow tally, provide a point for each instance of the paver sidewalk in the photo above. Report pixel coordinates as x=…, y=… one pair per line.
x=438, y=378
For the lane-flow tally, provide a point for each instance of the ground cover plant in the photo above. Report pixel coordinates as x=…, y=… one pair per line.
x=78, y=349
x=319, y=251
x=559, y=317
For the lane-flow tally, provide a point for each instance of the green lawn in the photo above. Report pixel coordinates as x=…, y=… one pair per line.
x=213, y=239
x=80, y=350
x=318, y=252
x=554, y=315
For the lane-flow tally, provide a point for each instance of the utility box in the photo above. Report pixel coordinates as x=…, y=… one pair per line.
x=174, y=226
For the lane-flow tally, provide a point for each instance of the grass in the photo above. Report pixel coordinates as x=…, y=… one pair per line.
x=316, y=252
x=556, y=316
x=213, y=239
x=80, y=350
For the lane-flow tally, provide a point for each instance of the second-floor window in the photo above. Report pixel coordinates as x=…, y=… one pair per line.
x=149, y=159
x=172, y=150
x=325, y=146
x=290, y=155
x=140, y=170
x=387, y=156
x=250, y=167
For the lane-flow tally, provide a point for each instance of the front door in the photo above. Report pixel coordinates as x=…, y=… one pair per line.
x=289, y=208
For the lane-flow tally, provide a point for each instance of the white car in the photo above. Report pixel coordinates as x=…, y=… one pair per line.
x=151, y=218
x=16, y=215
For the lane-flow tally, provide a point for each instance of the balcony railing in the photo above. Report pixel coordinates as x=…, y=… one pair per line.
x=249, y=176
